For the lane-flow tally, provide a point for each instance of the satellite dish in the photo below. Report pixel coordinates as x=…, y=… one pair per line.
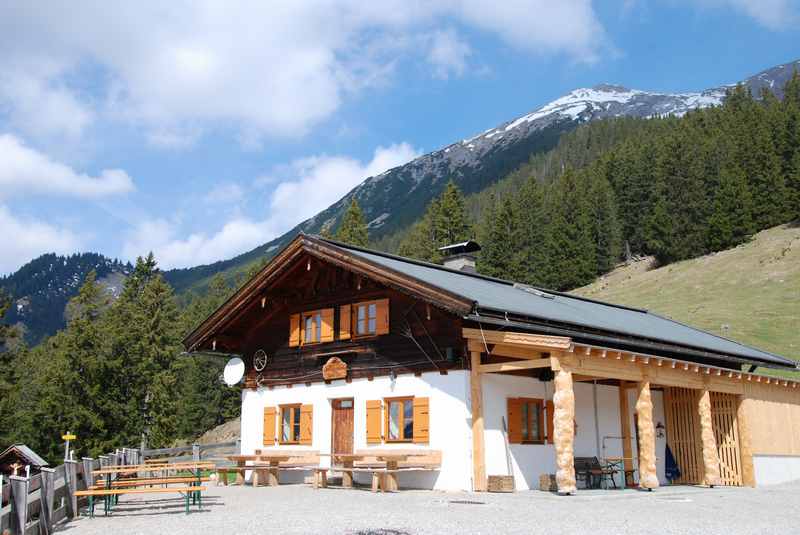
x=234, y=371
x=260, y=360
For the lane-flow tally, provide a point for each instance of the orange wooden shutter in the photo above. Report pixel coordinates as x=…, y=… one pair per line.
x=294, y=330
x=514, y=414
x=306, y=424
x=374, y=421
x=550, y=408
x=269, y=426
x=421, y=420
x=344, y=322
x=382, y=316
x=327, y=325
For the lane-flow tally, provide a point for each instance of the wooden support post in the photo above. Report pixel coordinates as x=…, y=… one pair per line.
x=564, y=431
x=47, y=497
x=71, y=477
x=195, y=452
x=745, y=442
x=478, y=454
x=709, y=443
x=647, y=438
x=625, y=429
x=88, y=466
x=19, y=503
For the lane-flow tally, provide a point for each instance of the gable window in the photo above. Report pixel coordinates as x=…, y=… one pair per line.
x=312, y=327
x=400, y=419
x=366, y=319
x=290, y=424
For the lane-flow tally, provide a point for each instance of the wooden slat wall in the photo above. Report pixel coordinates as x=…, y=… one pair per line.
x=773, y=414
x=726, y=433
x=683, y=432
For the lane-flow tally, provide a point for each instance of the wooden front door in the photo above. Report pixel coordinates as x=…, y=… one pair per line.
x=683, y=433
x=342, y=426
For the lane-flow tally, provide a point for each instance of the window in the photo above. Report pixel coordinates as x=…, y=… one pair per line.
x=366, y=319
x=532, y=417
x=526, y=421
x=312, y=327
x=290, y=424
x=400, y=420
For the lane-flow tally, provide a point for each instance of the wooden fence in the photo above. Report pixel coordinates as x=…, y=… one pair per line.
x=32, y=506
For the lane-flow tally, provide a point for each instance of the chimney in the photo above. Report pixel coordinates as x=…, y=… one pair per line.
x=461, y=256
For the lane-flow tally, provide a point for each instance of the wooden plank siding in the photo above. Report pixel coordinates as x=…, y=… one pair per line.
x=726, y=433
x=683, y=433
x=773, y=416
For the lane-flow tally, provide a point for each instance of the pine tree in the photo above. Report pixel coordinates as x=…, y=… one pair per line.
x=574, y=250
x=353, y=229
x=606, y=227
x=730, y=223
x=536, y=243
x=499, y=256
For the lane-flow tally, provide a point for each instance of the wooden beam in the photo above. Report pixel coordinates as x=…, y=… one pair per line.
x=516, y=338
x=625, y=427
x=478, y=454
x=745, y=441
x=710, y=455
x=514, y=366
x=503, y=350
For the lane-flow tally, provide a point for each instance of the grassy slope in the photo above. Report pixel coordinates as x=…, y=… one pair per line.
x=754, y=289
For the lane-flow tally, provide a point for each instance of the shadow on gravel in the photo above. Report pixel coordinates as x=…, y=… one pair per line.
x=380, y=532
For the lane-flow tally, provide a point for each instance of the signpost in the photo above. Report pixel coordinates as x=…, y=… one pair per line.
x=67, y=437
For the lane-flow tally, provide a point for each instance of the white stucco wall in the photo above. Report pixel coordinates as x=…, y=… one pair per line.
x=449, y=421
x=775, y=469
x=450, y=424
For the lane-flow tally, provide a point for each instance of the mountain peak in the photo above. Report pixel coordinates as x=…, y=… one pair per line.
x=611, y=88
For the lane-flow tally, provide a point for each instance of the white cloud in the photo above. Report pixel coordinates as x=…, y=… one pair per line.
x=312, y=185
x=24, y=239
x=264, y=69
x=773, y=14
x=448, y=54
x=25, y=171
x=225, y=193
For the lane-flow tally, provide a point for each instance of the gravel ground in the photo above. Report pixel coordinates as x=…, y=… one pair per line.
x=301, y=509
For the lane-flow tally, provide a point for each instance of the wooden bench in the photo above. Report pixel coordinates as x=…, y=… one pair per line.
x=384, y=475
x=267, y=473
x=190, y=492
x=101, y=483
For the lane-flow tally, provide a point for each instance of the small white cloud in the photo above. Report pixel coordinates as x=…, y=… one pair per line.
x=226, y=193
x=24, y=239
x=448, y=54
x=42, y=107
x=312, y=185
x=25, y=171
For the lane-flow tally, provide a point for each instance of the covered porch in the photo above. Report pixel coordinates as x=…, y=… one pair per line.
x=699, y=411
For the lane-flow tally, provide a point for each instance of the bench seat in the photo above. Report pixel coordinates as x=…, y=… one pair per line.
x=191, y=492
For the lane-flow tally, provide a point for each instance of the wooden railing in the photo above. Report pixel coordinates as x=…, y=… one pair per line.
x=34, y=505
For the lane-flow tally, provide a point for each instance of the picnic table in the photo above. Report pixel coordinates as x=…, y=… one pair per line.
x=113, y=485
x=273, y=459
x=390, y=460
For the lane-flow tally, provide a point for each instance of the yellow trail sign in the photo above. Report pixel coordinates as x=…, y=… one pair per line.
x=68, y=437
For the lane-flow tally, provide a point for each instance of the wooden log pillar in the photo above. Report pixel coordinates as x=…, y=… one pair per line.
x=47, y=497
x=479, y=483
x=648, y=479
x=625, y=428
x=564, y=431
x=19, y=503
x=745, y=441
x=707, y=440
x=71, y=477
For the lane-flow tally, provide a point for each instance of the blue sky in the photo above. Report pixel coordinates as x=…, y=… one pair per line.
x=200, y=130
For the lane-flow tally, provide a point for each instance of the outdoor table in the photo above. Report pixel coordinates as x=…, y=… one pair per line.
x=194, y=467
x=274, y=460
x=617, y=464
x=390, y=459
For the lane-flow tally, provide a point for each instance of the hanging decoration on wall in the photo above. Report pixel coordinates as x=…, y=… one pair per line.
x=335, y=368
x=260, y=360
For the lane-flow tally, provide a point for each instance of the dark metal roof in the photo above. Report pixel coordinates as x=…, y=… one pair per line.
x=28, y=454
x=490, y=294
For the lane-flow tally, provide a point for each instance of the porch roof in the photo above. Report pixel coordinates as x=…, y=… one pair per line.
x=506, y=297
